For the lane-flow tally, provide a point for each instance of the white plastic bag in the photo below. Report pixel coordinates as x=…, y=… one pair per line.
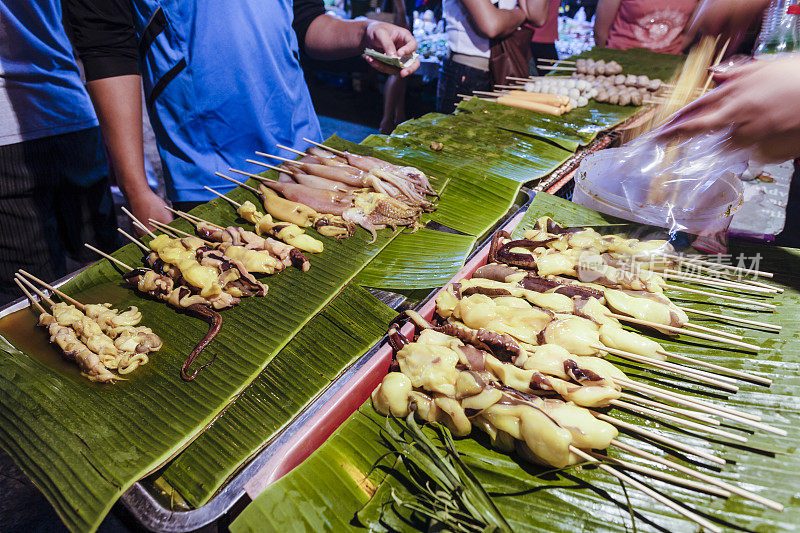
x=691, y=185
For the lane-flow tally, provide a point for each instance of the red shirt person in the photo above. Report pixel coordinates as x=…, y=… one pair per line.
x=653, y=24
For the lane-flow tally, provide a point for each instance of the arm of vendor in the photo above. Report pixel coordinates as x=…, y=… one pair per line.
x=105, y=34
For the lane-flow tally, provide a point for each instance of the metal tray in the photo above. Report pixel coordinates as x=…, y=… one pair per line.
x=295, y=441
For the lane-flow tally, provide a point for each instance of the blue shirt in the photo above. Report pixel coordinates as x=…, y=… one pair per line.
x=41, y=93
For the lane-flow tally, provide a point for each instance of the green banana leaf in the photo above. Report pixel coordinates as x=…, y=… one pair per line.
x=320, y=352
x=326, y=491
x=411, y=259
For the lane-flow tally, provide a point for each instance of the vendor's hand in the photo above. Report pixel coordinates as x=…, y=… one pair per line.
x=729, y=18
x=146, y=205
x=759, y=101
x=393, y=41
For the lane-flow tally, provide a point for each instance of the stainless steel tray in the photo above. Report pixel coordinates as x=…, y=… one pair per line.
x=143, y=504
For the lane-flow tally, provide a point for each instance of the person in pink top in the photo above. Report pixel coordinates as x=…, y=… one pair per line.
x=543, y=42
x=653, y=24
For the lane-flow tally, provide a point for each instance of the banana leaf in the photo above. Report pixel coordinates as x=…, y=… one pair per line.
x=421, y=260
x=320, y=352
x=327, y=491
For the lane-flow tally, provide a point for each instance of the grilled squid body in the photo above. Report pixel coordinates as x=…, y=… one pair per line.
x=74, y=350
x=432, y=382
x=177, y=253
x=286, y=231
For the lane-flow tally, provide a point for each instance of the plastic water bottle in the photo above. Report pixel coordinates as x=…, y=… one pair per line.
x=784, y=38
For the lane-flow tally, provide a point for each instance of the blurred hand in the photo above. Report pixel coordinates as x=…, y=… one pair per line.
x=393, y=41
x=146, y=205
x=728, y=18
x=759, y=101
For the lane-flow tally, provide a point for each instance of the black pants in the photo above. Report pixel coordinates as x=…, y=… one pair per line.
x=455, y=79
x=54, y=196
x=541, y=51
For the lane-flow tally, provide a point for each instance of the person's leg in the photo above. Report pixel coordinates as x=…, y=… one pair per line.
x=28, y=231
x=394, y=104
x=84, y=205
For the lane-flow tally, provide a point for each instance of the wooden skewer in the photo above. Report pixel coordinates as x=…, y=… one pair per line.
x=664, y=476
x=723, y=296
x=717, y=62
x=193, y=219
x=239, y=183
x=271, y=167
x=230, y=200
x=328, y=148
x=691, y=401
x=690, y=260
x=488, y=93
x=733, y=489
x=713, y=379
x=465, y=96
x=167, y=229
x=249, y=175
x=702, y=406
x=512, y=87
x=676, y=420
x=134, y=240
x=138, y=222
x=112, y=259
x=698, y=327
x=279, y=158
x=697, y=334
x=710, y=282
x=683, y=511
x=677, y=369
x=35, y=289
x=693, y=450
x=556, y=67
x=298, y=152
x=720, y=368
x=739, y=278
x=49, y=287
x=730, y=318
x=33, y=302
x=694, y=415
x=567, y=61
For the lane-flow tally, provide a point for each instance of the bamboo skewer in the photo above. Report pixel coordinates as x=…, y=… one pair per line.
x=733, y=489
x=271, y=167
x=138, y=222
x=683, y=511
x=35, y=289
x=677, y=369
x=556, y=68
x=693, y=450
x=702, y=406
x=279, y=158
x=694, y=415
x=112, y=259
x=239, y=183
x=698, y=327
x=716, y=62
x=229, y=200
x=717, y=283
x=723, y=297
x=328, y=148
x=566, y=61
x=298, y=152
x=249, y=175
x=192, y=219
x=664, y=476
x=33, y=302
x=168, y=229
x=721, y=266
x=52, y=289
x=693, y=401
x=739, y=278
x=720, y=368
x=134, y=240
x=697, y=334
x=676, y=420
x=730, y=318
